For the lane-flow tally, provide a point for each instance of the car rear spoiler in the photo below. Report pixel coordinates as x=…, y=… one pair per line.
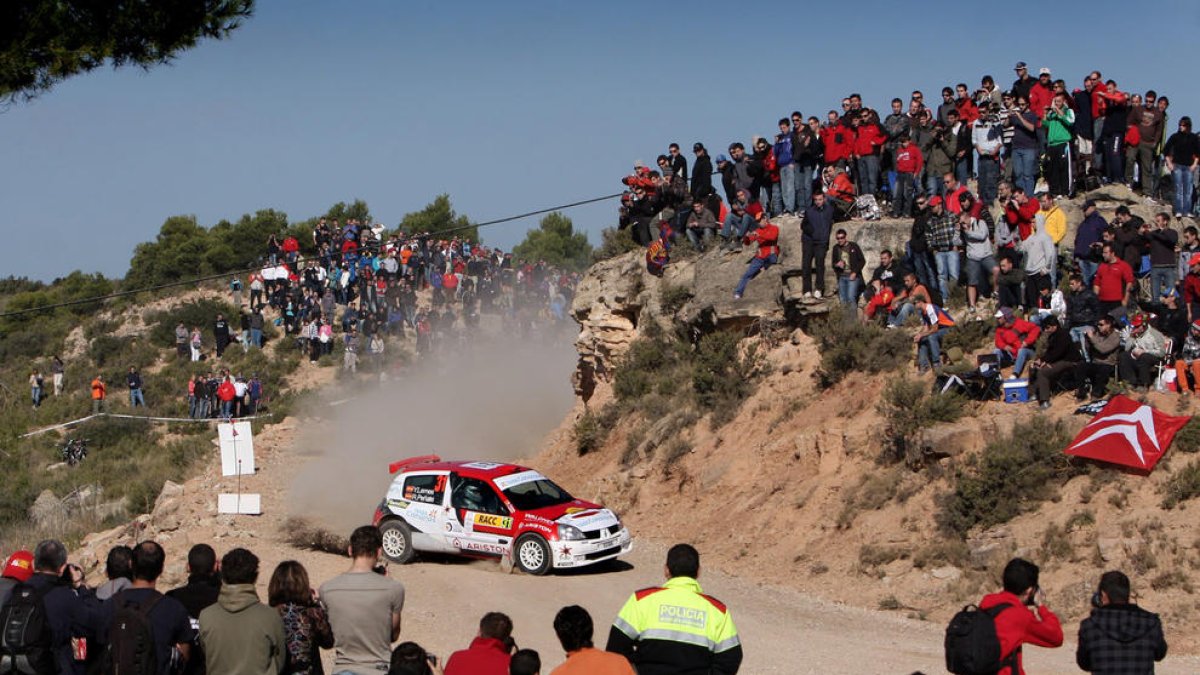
x=423, y=459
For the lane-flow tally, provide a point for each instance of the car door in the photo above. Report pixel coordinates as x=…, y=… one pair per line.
x=486, y=522
x=421, y=499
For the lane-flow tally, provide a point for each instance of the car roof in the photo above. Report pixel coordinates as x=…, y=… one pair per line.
x=472, y=468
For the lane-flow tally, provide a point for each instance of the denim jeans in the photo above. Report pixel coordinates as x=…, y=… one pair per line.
x=902, y=196
x=904, y=311
x=1024, y=354
x=1161, y=277
x=1025, y=169
x=787, y=186
x=868, y=175
x=735, y=226
x=1181, y=176
x=848, y=289
x=922, y=267
x=947, y=272
x=699, y=236
x=136, y=398
x=256, y=337
x=929, y=349
x=757, y=265
x=1114, y=158
x=962, y=169
x=227, y=410
x=934, y=185
x=1087, y=269
x=36, y=394
x=804, y=186
x=1077, y=333
x=989, y=178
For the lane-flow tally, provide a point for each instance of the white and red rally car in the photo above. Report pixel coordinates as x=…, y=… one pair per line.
x=492, y=509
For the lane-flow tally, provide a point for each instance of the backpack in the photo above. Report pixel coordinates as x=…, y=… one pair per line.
x=972, y=645
x=25, y=640
x=131, y=649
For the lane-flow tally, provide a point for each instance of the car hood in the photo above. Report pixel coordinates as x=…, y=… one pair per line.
x=584, y=515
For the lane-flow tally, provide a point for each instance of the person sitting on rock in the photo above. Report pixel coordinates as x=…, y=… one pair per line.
x=766, y=235
x=1058, y=359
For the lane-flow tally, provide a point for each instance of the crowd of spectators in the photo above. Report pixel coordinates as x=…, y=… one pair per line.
x=216, y=623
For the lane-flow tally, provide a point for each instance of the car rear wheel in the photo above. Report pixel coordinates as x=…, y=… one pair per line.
x=397, y=541
x=532, y=555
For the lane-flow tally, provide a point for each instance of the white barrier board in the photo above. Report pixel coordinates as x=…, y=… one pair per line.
x=247, y=504
x=237, y=449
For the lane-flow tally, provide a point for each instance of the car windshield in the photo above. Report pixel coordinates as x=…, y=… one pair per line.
x=536, y=494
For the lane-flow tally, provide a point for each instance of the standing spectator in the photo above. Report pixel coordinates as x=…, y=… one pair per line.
x=702, y=170
x=646, y=633
x=226, y=393
x=909, y=163
x=1113, y=127
x=36, y=387
x=918, y=243
x=1163, y=261
x=1088, y=243
x=99, y=394
x=1150, y=122
x=1182, y=156
x=809, y=152
x=256, y=327
x=1059, y=358
x=133, y=379
x=241, y=636
x=1119, y=636
x=69, y=607
x=221, y=333
x=767, y=238
x=987, y=136
x=350, y=353
x=195, y=343
x=490, y=651
x=1016, y=623
x=848, y=263
x=942, y=235
x=244, y=338
x=254, y=392
x=678, y=162
x=785, y=160
x=170, y=626
x=256, y=291
x=181, y=340
x=1058, y=121
x=981, y=264
x=936, y=322
x=1039, y=257
x=1024, y=145
x=118, y=567
x=1015, y=340
x=1113, y=283
x=58, y=369
x=1019, y=210
x=364, y=608
x=202, y=590
x=814, y=241
x=235, y=291
x=305, y=625
x=573, y=626
x=1101, y=347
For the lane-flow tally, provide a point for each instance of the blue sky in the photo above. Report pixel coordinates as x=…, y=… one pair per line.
x=508, y=107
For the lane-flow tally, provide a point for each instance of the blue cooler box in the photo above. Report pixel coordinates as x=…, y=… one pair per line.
x=1016, y=390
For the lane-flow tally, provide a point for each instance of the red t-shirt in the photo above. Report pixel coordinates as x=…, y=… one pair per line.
x=1111, y=279
x=1017, y=625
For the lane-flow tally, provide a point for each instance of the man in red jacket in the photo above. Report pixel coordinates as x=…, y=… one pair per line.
x=1019, y=212
x=1015, y=340
x=489, y=652
x=226, y=392
x=767, y=238
x=1017, y=624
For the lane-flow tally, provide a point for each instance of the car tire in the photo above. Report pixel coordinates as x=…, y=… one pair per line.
x=397, y=541
x=532, y=555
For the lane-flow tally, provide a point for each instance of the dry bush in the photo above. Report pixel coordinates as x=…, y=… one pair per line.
x=304, y=534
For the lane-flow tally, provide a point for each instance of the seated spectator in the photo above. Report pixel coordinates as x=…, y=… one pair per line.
x=839, y=191
x=170, y=625
x=490, y=651
x=1009, y=282
x=905, y=304
x=364, y=608
x=305, y=623
x=1187, y=366
x=701, y=225
x=1049, y=302
x=1102, y=346
x=240, y=634
x=1058, y=359
x=1015, y=340
x=1144, y=348
x=525, y=662
x=409, y=658
x=573, y=626
x=118, y=567
x=936, y=323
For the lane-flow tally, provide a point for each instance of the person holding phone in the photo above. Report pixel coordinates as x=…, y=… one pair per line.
x=1025, y=618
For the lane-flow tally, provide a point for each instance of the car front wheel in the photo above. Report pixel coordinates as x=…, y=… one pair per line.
x=397, y=541
x=532, y=555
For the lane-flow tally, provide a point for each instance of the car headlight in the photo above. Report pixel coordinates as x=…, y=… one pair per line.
x=569, y=533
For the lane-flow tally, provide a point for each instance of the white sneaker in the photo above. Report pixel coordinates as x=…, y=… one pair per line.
x=817, y=294
x=807, y=294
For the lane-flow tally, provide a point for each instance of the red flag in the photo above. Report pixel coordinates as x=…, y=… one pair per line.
x=1128, y=433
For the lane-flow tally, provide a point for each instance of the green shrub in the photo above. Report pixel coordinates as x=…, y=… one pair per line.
x=908, y=406
x=722, y=375
x=673, y=298
x=1182, y=486
x=848, y=346
x=614, y=242
x=1187, y=439
x=968, y=336
x=1013, y=475
x=592, y=428
x=201, y=312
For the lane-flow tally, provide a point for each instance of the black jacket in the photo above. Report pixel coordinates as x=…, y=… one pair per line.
x=1120, y=640
x=702, y=177
x=200, y=592
x=1083, y=308
x=1060, y=347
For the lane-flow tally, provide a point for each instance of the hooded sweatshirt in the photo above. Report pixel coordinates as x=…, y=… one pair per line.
x=1039, y=250
x=240, y=635
x=1119, y=639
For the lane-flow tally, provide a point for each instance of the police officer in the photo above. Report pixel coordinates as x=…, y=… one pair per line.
x=675, y=628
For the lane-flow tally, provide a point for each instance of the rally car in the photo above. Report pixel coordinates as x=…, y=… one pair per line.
x=493, y=509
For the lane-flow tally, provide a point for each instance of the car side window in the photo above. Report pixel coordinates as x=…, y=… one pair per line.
x=425, y=489
x=473, y=494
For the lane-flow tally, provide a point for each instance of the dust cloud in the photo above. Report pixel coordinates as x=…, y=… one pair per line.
x=496, y=401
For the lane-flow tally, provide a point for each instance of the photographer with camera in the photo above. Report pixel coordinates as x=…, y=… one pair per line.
x=1024, y=618
x=1119, y=636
